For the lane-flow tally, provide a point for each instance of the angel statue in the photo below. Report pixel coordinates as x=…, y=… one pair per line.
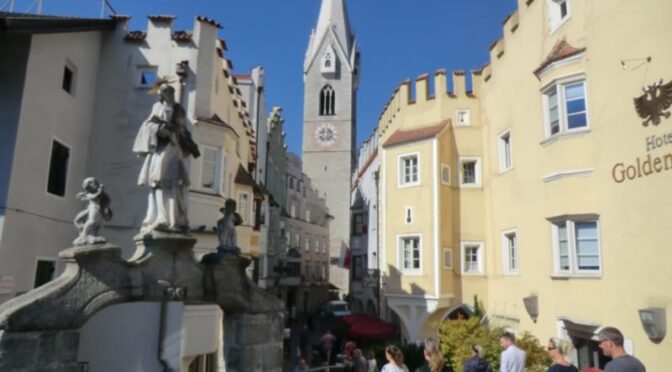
x=164, y=141
x=90, y=220
x=226, y=228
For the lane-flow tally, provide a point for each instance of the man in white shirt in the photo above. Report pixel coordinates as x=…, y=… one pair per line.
x=512, y=358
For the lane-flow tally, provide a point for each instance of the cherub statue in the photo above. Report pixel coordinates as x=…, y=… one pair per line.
x=226, y=228
x=90, y=220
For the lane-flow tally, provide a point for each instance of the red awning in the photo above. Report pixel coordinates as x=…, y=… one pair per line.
x=362, y=326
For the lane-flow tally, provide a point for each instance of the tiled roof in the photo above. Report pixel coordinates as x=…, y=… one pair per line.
x=209, y=21
x=561, y=50
x=417, y=134
x=182, y=36
x=161, y=17
x=243, y=76
x=136, y=36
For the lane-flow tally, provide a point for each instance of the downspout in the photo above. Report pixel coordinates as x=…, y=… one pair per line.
x=162, y=333
x=380, y=277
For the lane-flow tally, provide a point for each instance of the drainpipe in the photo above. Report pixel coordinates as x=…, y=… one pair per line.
x=168, y=289
x=380, y=277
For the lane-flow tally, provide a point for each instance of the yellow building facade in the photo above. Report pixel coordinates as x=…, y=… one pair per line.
x=544, y=181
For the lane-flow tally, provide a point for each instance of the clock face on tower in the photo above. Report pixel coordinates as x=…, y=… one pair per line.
x=325, y=134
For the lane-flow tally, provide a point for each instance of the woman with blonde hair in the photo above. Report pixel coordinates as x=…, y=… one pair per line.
x=559, y=349
x=433, y=356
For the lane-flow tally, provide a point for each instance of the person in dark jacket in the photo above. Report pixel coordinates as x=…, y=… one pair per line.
x=476, y=363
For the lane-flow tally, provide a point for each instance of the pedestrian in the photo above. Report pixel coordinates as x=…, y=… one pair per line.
x=476, y=363
x=328, y=344
x=350, y=347
x=395, y=360
x=372, y=363
x=302, y=366
x=359, y=362
x=304, y=340
x=433, y=357
x=293, y=313
x=512, y=358
x=558, y=350
x=611, y=343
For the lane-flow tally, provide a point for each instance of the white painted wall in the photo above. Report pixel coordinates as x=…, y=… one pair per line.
x=125, y=337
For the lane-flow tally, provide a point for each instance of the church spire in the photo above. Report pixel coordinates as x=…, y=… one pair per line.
x=333, y=16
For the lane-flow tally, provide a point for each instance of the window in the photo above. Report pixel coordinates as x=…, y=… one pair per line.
x=329, y=61
x=58, y=169
x=510, y=252
x=317, y=245
x=409, y=172
x=69, y=78
x=463, y=117
x=445, y=174
x=447, y=258
x=324, y=247
x=576, y=245
x=292, y=210
x=307, y=215
x=244, y=207
x=358, y=224
x=565, y=107
x=472, y=258
x=147, y=76
x=505, y=154
x=409, y=247
x=297, y=239
x=291, y=182
x=44, y=272
x=470, y=172
x=358, y=267
x=327, y=101
x=210, y=166
x=558, y=13
x=306, y=244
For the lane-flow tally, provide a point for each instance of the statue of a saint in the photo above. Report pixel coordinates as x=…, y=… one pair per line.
x=226, y=228
x=164, y=141
x=89, y=221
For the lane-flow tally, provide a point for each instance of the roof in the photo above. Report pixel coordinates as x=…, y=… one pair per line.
x=182, y=36
x=561, y=50
x=136, y=36
x=333, y=16
x=216, y=120
x=244, y=178
x=416, y=134
x=37, y=23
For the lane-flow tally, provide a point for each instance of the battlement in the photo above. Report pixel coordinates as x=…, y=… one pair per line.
x=420, y=92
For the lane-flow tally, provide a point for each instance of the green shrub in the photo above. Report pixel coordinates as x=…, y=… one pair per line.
x=459, y=336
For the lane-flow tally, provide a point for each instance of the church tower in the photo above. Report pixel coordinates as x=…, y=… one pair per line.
x=331, y=78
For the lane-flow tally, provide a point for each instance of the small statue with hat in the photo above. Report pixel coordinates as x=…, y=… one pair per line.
x=226, y=228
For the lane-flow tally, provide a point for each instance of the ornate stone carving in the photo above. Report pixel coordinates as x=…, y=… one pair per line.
x=164, y=141
x=90, y=220
x=226, y=228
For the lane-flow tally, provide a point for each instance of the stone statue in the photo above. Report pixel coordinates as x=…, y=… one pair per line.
x=226, y=228
x=164, y=141
x=90, y=220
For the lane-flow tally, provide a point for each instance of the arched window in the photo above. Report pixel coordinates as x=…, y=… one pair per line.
x=327, y=101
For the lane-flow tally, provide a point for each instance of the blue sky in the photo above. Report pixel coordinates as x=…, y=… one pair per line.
x=398, y=39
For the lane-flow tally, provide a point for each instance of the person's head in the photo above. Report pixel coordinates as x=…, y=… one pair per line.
x=477, y=350
x=559, y=349
x=370, y=355
x=507, y=339
x=167, y=93
x=357, y=353
x=394, y=355
x=611, y=341
x=433, y=354
x=302, y=362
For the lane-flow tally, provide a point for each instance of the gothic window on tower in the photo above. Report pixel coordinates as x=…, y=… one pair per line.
x=327, y=101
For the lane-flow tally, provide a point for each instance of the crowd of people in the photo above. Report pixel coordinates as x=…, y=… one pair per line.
x=511, y=359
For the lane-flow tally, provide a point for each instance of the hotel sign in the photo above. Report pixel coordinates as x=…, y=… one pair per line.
x=652, y=106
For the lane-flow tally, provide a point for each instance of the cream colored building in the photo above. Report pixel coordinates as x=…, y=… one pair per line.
x=540, y=181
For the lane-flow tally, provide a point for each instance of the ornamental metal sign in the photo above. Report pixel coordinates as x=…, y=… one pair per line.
x=654, y=103
x=372, y=278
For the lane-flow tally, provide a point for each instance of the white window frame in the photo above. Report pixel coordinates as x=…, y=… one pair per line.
x=559, y=85
x=448, y=252
x=574, y=270
x=217, y=176
x=400, y=256
x=445, y=167
x=246, y=214
x=460, y=113
x=507, y=268
x=555, y=19
x=306, y=243
x=477, y=172
x=400, y=170
x=318, y=243
x=503, y=166
x=481, y=254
